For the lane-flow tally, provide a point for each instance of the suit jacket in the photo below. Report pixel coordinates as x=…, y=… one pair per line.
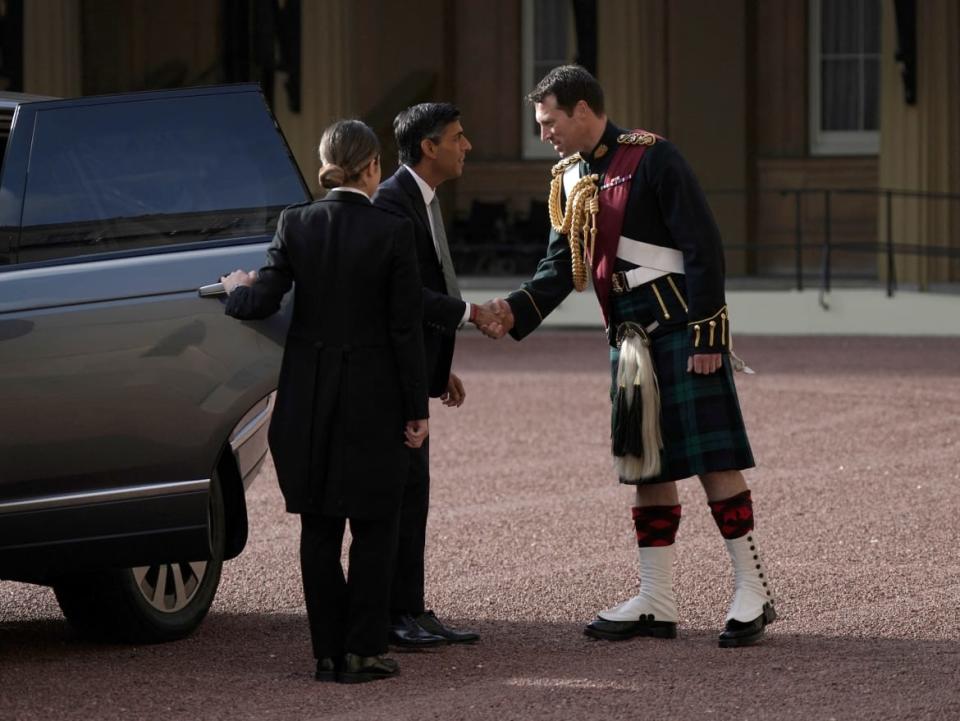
x=353, y=368
x=441, y=313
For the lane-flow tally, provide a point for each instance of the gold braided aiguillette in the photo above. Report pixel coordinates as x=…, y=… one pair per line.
x=579, y=222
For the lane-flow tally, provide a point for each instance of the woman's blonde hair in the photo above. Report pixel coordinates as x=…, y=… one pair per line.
x=345, y=149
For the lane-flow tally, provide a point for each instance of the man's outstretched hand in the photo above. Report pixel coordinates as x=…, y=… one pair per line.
x=494, y=318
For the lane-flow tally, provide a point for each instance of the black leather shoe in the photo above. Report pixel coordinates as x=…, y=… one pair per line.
x=429, y=622
x=738, y=633
x=406, y=632
x=360, y=669
x=326, y=670
x=646, y=625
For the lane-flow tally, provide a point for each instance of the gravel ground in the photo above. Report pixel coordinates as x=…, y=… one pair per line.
x=857, y=441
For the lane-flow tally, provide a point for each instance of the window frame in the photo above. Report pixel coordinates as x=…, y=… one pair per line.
x=830, y=142
x=531, y=147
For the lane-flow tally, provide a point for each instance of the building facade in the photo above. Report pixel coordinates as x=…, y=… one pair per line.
x=825, y=131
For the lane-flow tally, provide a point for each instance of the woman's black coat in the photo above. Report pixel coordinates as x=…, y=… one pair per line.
x=353, y=367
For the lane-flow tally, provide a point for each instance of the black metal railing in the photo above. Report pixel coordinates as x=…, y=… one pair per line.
x=493, y=241
x=884, y=239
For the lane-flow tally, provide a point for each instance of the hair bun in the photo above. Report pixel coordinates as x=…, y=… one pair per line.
x=332, y=176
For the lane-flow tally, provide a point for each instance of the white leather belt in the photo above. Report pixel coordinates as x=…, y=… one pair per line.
x=668, y=260
x=655, y=261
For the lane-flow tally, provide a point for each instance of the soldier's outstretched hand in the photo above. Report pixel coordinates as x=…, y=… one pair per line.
x=501, y=311
x=487, y=321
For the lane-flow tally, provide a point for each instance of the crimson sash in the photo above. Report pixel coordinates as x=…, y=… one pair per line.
x=613, y=206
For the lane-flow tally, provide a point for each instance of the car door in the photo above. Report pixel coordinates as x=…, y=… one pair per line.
x=117, y=380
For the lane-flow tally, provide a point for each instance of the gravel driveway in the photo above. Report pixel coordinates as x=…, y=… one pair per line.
x=858, y=509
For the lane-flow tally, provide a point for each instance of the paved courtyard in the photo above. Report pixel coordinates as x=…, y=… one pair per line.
x=857, y=493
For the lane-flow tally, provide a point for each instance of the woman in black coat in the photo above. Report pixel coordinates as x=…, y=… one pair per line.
x=352, y=393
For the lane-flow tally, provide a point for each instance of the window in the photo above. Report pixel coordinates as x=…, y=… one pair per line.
x=548, y=41
x=118, y=176
x=844, y=77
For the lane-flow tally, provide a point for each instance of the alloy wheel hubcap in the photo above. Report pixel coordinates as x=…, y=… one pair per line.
x=169, y=587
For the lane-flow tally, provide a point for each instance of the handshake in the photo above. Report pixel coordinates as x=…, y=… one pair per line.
x=494, y=318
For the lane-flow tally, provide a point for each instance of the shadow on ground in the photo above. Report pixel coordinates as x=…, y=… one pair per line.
x=258, y=666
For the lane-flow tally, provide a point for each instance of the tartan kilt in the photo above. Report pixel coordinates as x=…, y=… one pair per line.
x=700, y=418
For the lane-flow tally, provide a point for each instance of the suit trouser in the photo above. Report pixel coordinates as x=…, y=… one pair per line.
x=408, y=578
x=347, y=614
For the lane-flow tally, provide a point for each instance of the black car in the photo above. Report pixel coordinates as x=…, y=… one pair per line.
x=133, y=413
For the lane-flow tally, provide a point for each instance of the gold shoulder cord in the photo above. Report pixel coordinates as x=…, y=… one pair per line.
x=579, y=222
x=637, y=139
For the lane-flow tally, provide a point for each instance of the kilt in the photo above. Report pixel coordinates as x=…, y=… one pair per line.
x=700, y=418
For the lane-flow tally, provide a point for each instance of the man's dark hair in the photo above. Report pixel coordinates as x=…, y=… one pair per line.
x=569, y=84
x=413, y=125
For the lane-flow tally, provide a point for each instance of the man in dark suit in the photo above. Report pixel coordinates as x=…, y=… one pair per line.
x=432, y=148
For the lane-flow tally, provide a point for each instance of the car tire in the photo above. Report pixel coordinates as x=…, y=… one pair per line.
x=148, y=604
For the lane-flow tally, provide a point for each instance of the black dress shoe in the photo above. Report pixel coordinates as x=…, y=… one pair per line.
x=406, y=632
x=326, y=670
x=429, y=622
x=646, y=625
x=360, y=669
x=738, y=633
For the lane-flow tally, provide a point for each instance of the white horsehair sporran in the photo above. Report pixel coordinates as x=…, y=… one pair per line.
x=635, y=428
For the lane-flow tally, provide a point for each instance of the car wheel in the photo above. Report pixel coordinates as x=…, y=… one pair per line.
x=148, y=604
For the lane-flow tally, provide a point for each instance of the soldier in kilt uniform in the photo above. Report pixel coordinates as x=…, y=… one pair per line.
x=628, y=212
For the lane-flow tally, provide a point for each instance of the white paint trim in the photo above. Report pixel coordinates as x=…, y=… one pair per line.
x=853, y=311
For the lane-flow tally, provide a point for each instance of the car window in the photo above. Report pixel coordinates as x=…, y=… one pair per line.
x=125, y=175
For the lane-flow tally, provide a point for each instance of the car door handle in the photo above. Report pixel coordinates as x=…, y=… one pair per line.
x=211, y=291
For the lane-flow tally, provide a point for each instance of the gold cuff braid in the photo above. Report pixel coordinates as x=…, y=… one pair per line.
x=579, y=222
